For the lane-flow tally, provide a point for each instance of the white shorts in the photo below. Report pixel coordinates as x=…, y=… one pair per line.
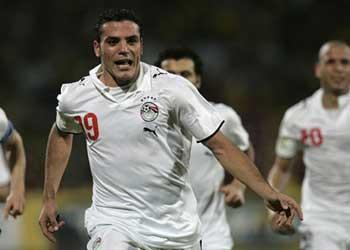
x=324, y=234
x=108, y=238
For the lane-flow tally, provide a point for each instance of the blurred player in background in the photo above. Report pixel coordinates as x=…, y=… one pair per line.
x=319, y=126
x=206, y=173
x=139, y=121
x=12, y=183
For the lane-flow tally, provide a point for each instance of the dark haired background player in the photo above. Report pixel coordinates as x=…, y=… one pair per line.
x=206, y=173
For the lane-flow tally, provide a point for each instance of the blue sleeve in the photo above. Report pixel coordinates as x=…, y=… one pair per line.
x=8, y=132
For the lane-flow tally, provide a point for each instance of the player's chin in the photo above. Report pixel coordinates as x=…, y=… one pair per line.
x=125, y=78
x=340, y=87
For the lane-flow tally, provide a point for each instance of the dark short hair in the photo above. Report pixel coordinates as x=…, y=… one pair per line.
x=180, y=53
x=115, y=15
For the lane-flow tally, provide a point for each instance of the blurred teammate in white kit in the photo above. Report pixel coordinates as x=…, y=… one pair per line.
x=12, y=179
x=319, y=126
x=206, y=173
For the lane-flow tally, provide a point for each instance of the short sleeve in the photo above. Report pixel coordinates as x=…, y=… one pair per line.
x=288, y=142
x=234, y=130
x=195, y=113
x=6, y=127
x=65, y=116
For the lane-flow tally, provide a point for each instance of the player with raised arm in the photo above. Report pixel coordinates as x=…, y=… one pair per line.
x=139, y=121
x=206, y=173
x=319, y=127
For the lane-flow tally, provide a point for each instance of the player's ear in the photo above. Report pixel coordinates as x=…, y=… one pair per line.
x=97, y=48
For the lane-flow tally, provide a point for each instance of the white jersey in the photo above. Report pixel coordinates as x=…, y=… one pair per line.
x=324, y=136
x=206, y=175
x=5, y=131
x=138, y=143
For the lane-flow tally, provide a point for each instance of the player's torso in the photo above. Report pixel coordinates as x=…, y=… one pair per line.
x=206, y=174
x=139, y=156
x=325, y=138
x=135, y=142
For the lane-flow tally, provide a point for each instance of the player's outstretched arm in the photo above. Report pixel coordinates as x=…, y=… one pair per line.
x=234, y=191
x=278, y=178
x=15, y=201
x=239, y=165
x=57, y=155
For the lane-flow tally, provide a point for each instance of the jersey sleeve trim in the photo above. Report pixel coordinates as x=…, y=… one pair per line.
x=210, y=136
x=8, y=132
x=66, y=132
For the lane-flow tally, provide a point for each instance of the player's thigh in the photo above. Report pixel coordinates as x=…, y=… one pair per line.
x=110, y=239
x=316, y=238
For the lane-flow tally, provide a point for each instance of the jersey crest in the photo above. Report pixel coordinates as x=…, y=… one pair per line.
x=149, y=109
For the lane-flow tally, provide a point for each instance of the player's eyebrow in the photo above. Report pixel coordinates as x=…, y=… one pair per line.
x=128, y=38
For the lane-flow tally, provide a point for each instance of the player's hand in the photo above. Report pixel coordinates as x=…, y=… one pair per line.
x=49, y=220
x=14, y=204
x=281, y=224
x=234, y=195
x=279, y=203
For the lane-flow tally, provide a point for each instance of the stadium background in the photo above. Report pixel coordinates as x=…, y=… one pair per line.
x=258, y=56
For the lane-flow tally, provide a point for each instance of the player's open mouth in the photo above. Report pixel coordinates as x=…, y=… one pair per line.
x=123, y=62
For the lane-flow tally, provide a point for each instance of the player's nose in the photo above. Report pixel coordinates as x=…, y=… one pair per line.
x=123, y=47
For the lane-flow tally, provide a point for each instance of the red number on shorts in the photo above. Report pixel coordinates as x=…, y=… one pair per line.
x=90, y=125
x=314, y=134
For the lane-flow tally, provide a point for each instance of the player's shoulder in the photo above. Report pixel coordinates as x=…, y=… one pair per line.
x=302, y=108
x=76, y=86
x=72, y=92
x=168, y=81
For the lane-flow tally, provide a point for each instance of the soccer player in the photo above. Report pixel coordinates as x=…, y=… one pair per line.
x=12, y=184
x=319, y=126
x=139, y=121
x=206, y=173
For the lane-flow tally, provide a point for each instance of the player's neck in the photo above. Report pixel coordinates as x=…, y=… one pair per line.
x=330, y=100
x=110, y=81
